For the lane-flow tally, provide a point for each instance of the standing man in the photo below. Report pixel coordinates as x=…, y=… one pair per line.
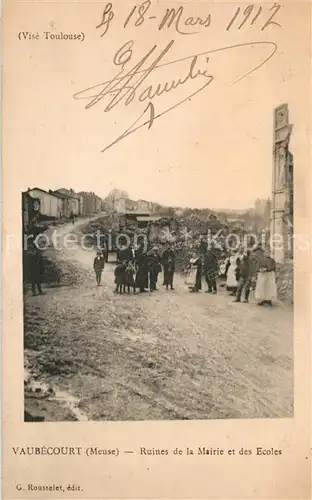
x=211, y=271
x=98, y=266
x=72, y=218
x=142, y=269
x=154, y=268
x=132, y=250
x=168, y=262
x=36, y=269
x=169, y=274
x=245, y=275
x=105, y=252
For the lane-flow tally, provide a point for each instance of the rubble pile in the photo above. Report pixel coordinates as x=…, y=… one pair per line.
x=285, y=281
x=101, y=224
x=60, y=273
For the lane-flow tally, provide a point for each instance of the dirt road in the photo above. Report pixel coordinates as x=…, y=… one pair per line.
x=94, y=355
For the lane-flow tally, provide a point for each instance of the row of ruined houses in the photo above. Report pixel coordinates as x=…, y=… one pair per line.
x=123, y=205
x=59, y=204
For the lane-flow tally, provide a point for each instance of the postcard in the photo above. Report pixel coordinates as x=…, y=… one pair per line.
x=156, y=250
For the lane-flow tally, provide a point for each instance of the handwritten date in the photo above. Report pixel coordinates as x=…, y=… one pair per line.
x=253, y=14
x=140, y=14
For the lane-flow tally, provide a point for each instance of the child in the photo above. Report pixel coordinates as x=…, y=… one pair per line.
x=169, y=271
x=130, y=272
x=98, y=266
x=120, y=277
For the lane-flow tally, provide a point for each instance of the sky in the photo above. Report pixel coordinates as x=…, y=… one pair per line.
x=214, y=151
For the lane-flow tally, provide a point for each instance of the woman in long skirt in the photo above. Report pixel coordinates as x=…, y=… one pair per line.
x=195, y=269
x=266, y=291
x=231, y=279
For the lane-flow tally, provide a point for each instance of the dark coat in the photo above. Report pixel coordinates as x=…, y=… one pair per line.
x=210, y=262
x=199, y=273
x=227, y=266
x=105, y=253
x=98, y=264
x=168, y=254
x=237, y=273
x=120, y=275
x=245, y=268
x=154, y=263
x=35, y=266
x=267, y=263
x=168, y=272
x=129, y=274
x=142, y=269
x=210, y=266
x=125, y=255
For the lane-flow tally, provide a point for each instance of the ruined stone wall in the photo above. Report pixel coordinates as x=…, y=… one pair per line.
x=282, y=186
x=285, y=281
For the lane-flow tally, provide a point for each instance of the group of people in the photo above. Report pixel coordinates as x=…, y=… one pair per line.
x=139, y=269
x=255, y=268
x=241, y=272
x=142, y=268
x=202, y=265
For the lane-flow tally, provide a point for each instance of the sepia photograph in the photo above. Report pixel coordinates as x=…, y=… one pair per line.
x=137, y=310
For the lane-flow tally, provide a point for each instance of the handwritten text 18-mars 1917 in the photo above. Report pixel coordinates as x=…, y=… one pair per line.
x=132, y=84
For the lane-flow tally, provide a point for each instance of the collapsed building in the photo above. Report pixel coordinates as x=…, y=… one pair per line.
x=281, y=226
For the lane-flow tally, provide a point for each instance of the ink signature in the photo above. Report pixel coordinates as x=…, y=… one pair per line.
x=127, y=86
